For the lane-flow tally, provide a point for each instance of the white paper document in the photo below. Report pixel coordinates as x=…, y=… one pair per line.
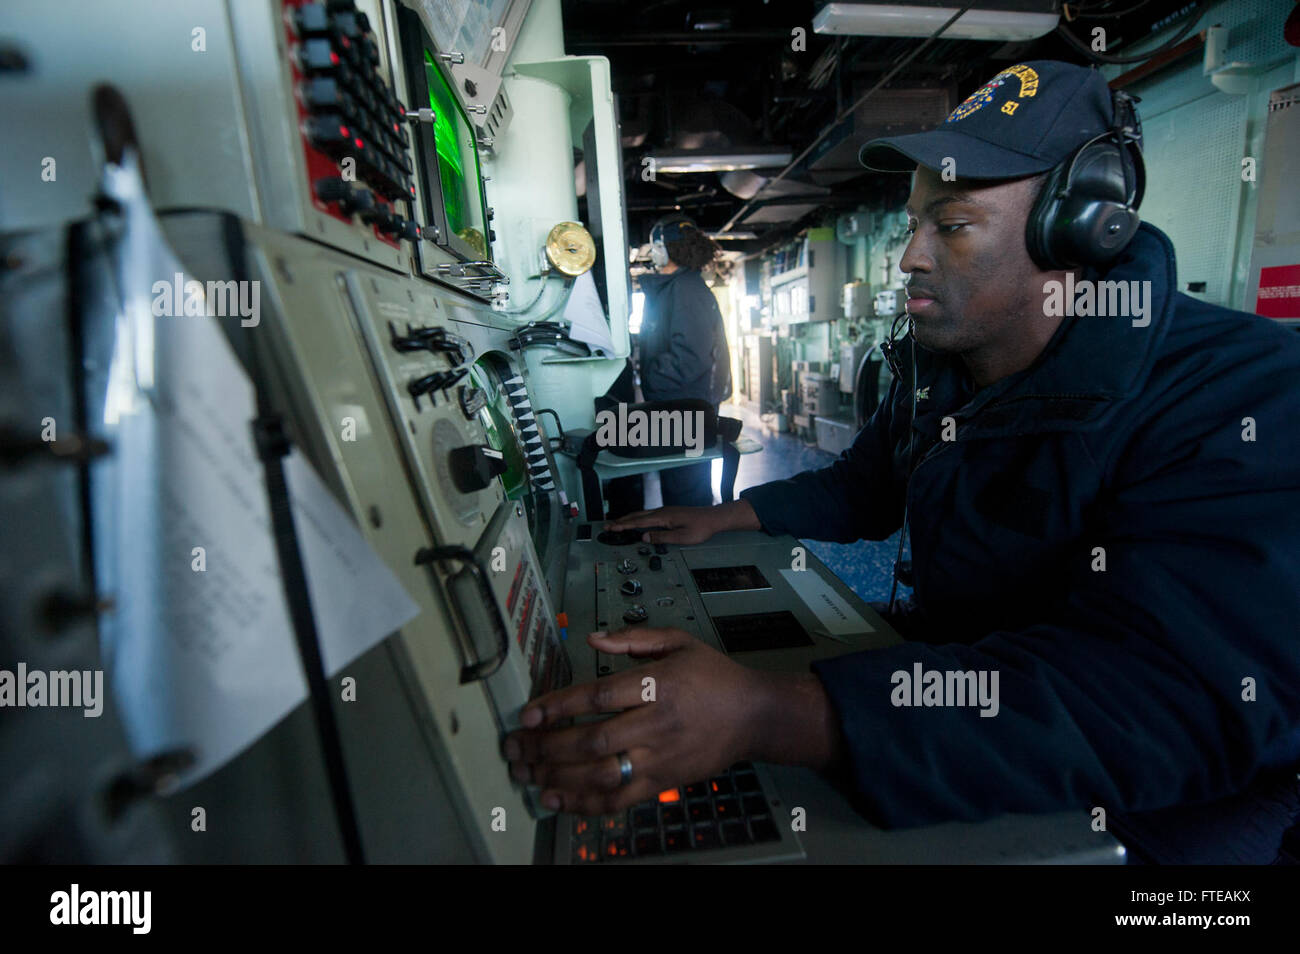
x=199, y=649
x=586, y=317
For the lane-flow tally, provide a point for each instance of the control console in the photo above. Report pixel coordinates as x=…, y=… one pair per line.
x=763, y=599
x=354, y=138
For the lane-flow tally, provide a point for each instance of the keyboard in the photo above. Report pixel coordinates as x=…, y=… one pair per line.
x=727, y=811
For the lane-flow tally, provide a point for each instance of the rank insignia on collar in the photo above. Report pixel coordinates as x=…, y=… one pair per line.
x=923, y=394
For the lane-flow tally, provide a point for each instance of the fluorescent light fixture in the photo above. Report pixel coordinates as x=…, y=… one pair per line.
x=732, y=236
x=869, y=19
x=719, y=162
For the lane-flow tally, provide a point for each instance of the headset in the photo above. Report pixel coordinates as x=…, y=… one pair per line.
x=665, y=230
x=1087, y=211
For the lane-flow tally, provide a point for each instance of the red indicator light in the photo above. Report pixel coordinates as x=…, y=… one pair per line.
x=345, y=132
x=334, y=58
x=360, y=144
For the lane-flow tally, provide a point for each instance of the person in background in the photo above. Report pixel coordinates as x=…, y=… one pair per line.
x=683, y=343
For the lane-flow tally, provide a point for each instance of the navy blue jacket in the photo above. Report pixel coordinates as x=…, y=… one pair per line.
x=1121, y=687
x=682, y=342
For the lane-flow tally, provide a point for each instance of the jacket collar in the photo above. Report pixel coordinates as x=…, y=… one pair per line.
x=1090, y=365
x=653, y=282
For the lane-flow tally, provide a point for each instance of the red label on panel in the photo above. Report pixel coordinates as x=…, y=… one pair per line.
x=1279, y=292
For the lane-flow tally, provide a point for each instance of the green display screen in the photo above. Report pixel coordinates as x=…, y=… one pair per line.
x=458, y=167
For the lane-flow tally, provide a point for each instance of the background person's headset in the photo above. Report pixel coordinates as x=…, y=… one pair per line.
x=665, y=230
x=1085, y=215
x=1087, y=211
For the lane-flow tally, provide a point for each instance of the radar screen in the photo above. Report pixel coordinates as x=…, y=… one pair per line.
x=447, y=158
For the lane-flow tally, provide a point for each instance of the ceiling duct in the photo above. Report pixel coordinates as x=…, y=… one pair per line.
x=990, y=20
x=783, y=201
x=890, y=112
x=742, y=184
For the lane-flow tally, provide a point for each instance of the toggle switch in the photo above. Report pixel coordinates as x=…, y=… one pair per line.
x=432, y=340
x=311, y=19
x=430, y=383
x=316, y=56
x=328, y=133
x=472, y=400
x=630, y=587
x=408, y=229
x=350, y=199
x=333, y=190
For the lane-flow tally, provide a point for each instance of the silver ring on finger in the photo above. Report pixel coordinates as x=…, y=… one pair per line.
x=624, y=769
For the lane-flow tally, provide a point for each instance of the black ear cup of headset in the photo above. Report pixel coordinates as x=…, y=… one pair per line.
x=1087, y=210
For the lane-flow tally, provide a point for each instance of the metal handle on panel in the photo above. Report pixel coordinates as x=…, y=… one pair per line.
x=472, y=672
x=457, y=270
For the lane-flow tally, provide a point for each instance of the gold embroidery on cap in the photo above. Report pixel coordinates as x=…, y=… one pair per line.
x=1027, y=76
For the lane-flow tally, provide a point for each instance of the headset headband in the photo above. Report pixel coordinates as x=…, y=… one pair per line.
x=1126, y=133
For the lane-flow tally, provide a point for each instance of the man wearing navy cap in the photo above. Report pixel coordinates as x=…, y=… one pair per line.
x=1101, y=481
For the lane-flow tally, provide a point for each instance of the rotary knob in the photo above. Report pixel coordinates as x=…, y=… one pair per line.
x=635, y=614
x=474, y=466
x=630, y=587
x=626, y=567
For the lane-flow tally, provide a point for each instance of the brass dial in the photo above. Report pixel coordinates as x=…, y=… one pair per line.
x=571, y=248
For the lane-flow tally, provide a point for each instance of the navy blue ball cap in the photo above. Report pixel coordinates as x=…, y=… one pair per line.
x=669, y=227
x=1023, y=121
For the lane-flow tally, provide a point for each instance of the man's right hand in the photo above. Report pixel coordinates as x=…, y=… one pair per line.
x=688, y=525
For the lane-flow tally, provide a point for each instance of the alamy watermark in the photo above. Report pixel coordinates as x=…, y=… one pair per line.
x=638, y=427
x=1088, y=299
x=231, y=299
x=36, y=688
x=131, y=908
x=949, y=688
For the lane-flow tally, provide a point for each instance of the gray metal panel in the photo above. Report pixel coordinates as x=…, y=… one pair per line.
x=185, y=104
x=1194, y=188
x=836, y=834
x=272, y=804
x=317, y=359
